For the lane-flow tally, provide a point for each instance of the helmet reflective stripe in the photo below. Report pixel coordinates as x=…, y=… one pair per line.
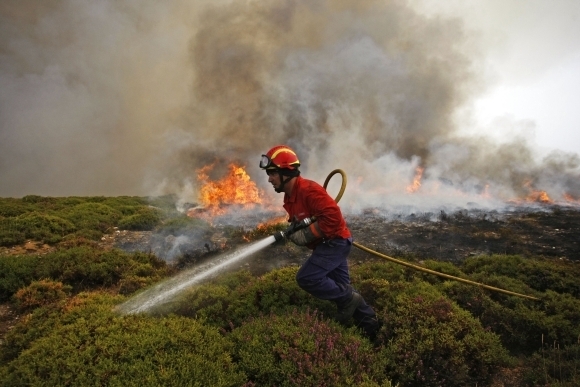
x=282, y=150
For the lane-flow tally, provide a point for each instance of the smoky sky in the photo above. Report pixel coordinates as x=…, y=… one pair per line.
x=127, y=97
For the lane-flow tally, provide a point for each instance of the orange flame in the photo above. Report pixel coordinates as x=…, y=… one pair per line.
x=416, y=181
x=537, y=195
x=569, y=198
x=234, y=188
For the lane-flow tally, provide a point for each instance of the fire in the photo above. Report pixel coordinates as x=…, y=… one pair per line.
x=416, y=181
x=536, y=195
x=571, y=199
x=272, y=222
x=234, y=188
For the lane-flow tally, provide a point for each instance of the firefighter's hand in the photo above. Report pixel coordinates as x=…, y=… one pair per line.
x=306, y=235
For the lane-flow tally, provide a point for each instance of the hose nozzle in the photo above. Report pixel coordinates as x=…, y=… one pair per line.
x=294, y=226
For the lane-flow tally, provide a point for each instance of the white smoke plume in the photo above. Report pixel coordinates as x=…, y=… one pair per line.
x=127, y=97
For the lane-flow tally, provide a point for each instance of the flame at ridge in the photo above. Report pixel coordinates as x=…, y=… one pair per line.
x=537, y=195
x=416, y=180
x=235, y=188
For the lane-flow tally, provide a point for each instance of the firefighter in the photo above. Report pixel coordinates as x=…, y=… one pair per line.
x=325, y=273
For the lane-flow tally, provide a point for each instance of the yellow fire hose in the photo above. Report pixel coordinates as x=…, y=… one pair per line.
x=399, y=262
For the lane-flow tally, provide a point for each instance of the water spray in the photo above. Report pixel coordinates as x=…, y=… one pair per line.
x=165, y=291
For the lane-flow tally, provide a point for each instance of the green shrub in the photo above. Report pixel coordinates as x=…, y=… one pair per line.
x=10, y=235
x=34, y=225
x=93, y=216
x=44, y=228
x=43, y=320
x=40, y=293
x=301, y=349
x=553, y=366
x=88, y=234
x=143, y=220
x=16, y=272
x=539, y=274
x=10, y=207
x=519, y=322
x=275, y=292
x=431, y=341
x=92, y=346
x=83, y=267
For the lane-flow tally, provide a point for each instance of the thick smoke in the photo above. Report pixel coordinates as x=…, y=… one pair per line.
x=131, y=97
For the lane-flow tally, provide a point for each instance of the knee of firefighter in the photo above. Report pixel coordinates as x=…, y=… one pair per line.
x=306, y=284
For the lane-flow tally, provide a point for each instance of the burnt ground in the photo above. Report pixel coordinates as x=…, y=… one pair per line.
x=552, y=232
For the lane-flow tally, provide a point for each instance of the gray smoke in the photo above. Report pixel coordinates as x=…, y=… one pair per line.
x=118, y=97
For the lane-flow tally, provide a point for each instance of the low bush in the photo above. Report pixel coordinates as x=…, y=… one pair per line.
x=224, y=306
x=520, y=323
x=431, y=341
x=553, y=365
x=44, y=228
x=40, y=293
x=301, y=349
x=11, y=207
x=10, y=236
x=539, y=274
x=83, y=267
x=92, y=346
x=93, y=216
x=15, y=273
x=144, y=219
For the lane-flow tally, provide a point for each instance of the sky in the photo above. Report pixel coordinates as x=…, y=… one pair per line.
x=132, y=97
x=532, y=50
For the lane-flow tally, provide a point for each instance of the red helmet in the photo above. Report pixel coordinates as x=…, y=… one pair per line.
x=280, y=157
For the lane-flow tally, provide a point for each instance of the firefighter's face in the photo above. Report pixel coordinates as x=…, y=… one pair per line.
x=274, y=178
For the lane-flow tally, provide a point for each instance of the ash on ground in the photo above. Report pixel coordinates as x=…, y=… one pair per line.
x=550, y=232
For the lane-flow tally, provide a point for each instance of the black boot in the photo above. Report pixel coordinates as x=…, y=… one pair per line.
x=346, y=309
x=370, y=327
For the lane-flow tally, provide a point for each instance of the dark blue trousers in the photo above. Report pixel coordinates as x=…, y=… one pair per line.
x=325, y=275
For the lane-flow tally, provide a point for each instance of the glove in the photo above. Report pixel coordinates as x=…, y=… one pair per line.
x=306, y=235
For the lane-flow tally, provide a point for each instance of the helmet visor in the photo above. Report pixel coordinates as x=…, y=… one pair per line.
x=265, y=162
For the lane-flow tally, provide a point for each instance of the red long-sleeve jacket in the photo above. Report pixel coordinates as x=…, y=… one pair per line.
x=308, y=199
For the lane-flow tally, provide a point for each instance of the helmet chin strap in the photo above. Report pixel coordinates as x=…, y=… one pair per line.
x=283, y=182
x=291, y=174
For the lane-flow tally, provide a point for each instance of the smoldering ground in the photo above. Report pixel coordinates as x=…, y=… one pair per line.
x=131, y=97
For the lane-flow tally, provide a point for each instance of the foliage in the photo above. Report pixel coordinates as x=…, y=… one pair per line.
x=431, y=341
x=105, y=349
x=302, y=349
x=40, y=293
x=539, y=274
x=243, y=330
x=45, y=228
x=247, y=297
x=82, y=267
x=519, y=322
x=50, y=219
x=93, y=216
x=554, y=366
x=141, y=220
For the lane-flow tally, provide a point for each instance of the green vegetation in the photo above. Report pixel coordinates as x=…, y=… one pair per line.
x=52, y=220
x=242, y=330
